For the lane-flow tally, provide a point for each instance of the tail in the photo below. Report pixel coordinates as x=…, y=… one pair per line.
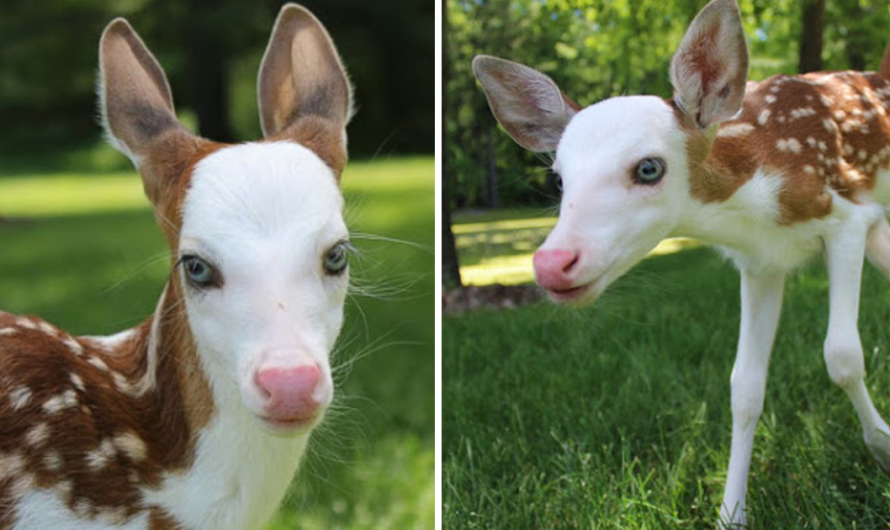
x=885, y=64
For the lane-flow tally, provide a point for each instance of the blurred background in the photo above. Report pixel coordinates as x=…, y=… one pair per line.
x=78, y=244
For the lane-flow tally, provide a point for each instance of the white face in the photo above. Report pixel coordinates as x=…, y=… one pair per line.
x=612, y=214
x=262, y=260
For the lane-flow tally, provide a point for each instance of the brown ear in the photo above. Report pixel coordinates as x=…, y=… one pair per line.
x=137, y=107
x=301, y=79
x=526, y=102
x=710, y=68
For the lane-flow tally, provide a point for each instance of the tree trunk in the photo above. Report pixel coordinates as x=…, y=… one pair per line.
x=450, y=265
x=207, y=70
x=811, y=36
x=492, y=171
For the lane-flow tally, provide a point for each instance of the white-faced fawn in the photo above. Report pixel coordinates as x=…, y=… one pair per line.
x=773, y=173
x=198, y=417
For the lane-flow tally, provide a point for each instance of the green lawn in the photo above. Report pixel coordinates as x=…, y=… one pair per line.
x=617, y=415
x=82, y=251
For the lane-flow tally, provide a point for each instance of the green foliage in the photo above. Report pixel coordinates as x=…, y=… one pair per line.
x=595, y=49
x=83, y=252
x=49, y=49
x=618, y=415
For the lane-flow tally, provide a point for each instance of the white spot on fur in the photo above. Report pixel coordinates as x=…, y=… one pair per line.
x=808, y=169
x=122, y=384
x=862, y=154
x=791, y=144
x=763, y=118
x=735, y=129
x=98, y=363
x=73, y=345
x=66, y=399
x=19, y=397
x=52, y=461
x=11, y=465
x=46, y=328
x=7, y=331
x=839, y=115
x=37, y=435
x=811, y=141
x=770, y=99
x=99, y=457
x=77, y=381
x=23, y=322
x=130, y=444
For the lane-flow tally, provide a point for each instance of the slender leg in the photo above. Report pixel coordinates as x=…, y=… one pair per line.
x=843, y=350
x=761, y=305
x=877, y=246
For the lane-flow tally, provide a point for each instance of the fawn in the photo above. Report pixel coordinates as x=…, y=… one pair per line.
x=198, y=417
x=772, y=173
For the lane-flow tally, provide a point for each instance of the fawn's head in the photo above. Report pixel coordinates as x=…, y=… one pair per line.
x=625, y=163
x=256, y=230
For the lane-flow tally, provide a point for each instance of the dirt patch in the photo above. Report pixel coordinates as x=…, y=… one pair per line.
x=490, y=297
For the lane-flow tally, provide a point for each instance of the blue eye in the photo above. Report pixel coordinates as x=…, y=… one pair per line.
x=199, y=272
x=337, y=258
x=649, y=170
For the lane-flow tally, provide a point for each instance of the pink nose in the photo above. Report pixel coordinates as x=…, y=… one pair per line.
x=553, y=268
x=290, y=392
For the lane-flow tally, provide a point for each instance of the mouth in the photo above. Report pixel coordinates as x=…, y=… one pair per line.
x=577, y=295
x=289, y=425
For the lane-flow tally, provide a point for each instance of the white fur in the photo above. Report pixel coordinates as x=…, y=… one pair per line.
x=47, y=509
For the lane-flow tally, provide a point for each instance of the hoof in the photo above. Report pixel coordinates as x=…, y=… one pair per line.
x=878, y=443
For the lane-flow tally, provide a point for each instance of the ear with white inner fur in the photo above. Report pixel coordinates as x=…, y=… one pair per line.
x=710, y=68
x=301, y=75
x=137, y=106
x=526, y=102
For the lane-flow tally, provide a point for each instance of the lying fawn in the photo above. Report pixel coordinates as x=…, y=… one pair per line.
x=772, y=173
x=198, y=417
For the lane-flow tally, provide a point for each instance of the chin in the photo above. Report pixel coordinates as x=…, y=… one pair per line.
x=579, y=296
x=290, y=426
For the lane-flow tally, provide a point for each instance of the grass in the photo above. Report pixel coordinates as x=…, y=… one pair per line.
x=618, y=415
x=82, y=250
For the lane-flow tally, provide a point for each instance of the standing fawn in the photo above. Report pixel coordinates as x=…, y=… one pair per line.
x=198, y=417
x=772, y=173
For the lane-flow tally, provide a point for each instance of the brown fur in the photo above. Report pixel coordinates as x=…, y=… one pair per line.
x=818, y=132
x=163, y=421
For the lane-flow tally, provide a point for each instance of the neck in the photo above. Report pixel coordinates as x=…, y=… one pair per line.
x=198, y=414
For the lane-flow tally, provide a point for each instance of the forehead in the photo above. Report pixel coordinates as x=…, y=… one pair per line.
x=615, y=127
x=260, y=190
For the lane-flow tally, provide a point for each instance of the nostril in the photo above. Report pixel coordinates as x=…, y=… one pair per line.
x=576, y=257
x=289, y=392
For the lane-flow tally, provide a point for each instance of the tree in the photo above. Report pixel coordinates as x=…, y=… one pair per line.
x=811, y=36
x=450, y=265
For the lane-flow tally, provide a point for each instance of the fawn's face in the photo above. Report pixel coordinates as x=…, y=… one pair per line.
x=256, y=229
x=624, y=161
x=623, y=169
x=263, y=264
